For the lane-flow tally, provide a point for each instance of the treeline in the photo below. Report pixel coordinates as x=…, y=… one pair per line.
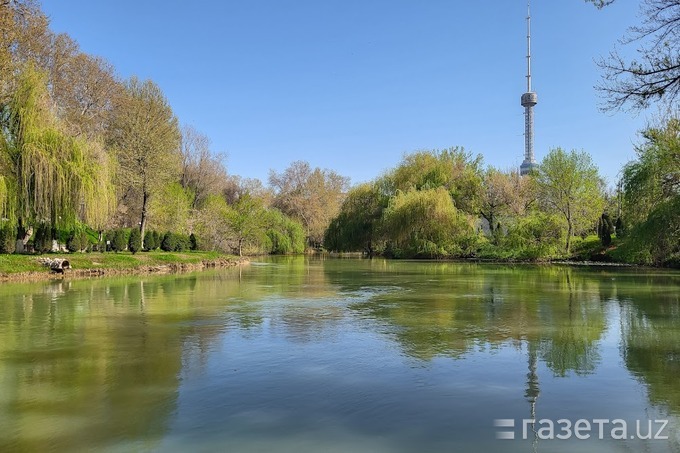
x=94, y=162
x=445, y=204
x=85, y=155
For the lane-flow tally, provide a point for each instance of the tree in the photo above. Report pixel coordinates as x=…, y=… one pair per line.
x=145, y=136
x=605, y=228
x=202, y=171
x=47, y=175
x=247, y=221
x=455, y=169
x=135, y=241
x=569, y=184
x=119, y=241
x=311, y=196
x=169, y=242
x=77, y=241
x=426, y=223
x=150, y=242
x=357, y=226
x=285, y=234
x=651, y=197
x=654, y=177
x=655, y=76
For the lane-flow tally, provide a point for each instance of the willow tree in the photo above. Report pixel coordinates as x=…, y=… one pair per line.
x=47, y=175
x=145, y=136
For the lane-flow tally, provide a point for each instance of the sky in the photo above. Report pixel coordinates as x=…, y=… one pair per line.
x=353, y=85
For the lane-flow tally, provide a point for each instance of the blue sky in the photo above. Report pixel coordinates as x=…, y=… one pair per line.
x=352, y=85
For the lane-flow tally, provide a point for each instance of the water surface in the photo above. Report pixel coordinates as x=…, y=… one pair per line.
x=299, y=355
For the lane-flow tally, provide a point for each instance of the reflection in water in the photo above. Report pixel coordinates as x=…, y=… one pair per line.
x=376, y=355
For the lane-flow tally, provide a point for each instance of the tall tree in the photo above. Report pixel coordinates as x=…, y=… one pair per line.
x=311, y=195
x=357, y=226
x=569, y=184
x=455, y=169
x=47, y=175
x=145, y=136
x=202, y=170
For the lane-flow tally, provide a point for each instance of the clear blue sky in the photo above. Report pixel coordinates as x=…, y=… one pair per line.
x=352, y=85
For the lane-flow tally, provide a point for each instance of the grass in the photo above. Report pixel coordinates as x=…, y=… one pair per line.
x=12, y=264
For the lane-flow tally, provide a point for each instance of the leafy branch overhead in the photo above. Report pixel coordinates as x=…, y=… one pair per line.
x=654, y=76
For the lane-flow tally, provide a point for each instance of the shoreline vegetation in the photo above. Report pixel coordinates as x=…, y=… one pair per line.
x=28, y=268
x=91, y=162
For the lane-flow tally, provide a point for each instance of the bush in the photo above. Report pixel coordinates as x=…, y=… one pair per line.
x=157, y=238
x=169, y=242
x=182, y=242
x=77, y=241
x=193, y=242
x=119, y=241
x=150, y=241
x=135, y=241
x=8, y=235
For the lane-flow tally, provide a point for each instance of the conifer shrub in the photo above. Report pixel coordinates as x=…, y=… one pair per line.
x=135, y=241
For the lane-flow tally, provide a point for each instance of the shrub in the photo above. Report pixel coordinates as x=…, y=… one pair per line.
x=150, y=241
x=193, y=242
x=135, y=241
x=77, y=241
x=182, y=242
x=120, y=240
x=8, y=235
x=169, y=242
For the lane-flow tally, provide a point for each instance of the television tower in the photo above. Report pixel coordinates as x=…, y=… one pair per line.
x=529, y=100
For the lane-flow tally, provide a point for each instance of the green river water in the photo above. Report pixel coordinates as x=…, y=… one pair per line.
x=310, y=355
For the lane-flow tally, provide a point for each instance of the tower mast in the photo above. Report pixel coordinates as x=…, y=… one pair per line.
x=529, y=100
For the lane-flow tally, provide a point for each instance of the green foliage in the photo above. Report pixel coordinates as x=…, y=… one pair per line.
x=169, y=242
x=78, y=241
x=193, y=242
x=8, y=236
x=157, y=238
x=454, y=169
x=534, y=236
x=49, y=175
x=119, y=240
x=569, y=185
x=620, y=227
x=654, y=176
x=135, y=241
x=247, y=220
x=42, y=242
x=426, y=224
x=656, y=241
x=287, y=236
x=357, y=225
x=150, y=241
x=171, y=208
x=605, y=228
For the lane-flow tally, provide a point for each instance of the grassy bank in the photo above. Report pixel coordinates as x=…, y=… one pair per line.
x=103, y=263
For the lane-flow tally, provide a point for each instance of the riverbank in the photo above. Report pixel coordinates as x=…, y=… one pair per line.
x=29, y=267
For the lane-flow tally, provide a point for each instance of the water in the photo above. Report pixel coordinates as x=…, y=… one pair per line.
x=293, y=355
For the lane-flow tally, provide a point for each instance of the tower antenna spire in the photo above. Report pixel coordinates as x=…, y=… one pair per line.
x=528, y=45
x=529, y=100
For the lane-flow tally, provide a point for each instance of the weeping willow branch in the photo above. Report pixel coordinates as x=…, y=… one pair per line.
x=54, y=178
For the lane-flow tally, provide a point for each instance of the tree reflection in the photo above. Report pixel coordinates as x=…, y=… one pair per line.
x=650, y=316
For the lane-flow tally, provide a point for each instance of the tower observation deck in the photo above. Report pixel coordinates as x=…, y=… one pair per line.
x=529, y=100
